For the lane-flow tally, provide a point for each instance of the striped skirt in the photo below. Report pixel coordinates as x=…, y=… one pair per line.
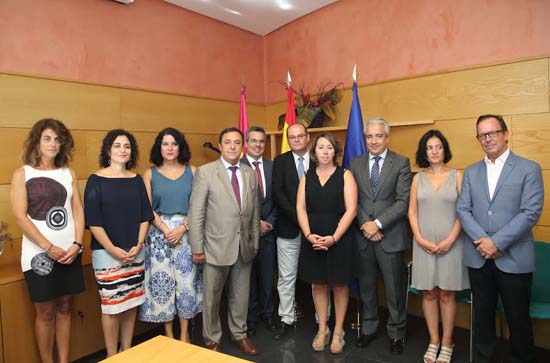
x=120, y=285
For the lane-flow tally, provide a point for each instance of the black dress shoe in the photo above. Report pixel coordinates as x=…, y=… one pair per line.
x=364, y=340
x=396, y=346
x=283, y=330
x=270, y=324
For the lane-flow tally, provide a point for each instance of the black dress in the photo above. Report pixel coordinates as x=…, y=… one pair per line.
x=325, y=206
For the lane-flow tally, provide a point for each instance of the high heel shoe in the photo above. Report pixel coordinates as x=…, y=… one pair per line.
x=320, y=341
x=445, y=354
x=338, y=343
x=431, y=353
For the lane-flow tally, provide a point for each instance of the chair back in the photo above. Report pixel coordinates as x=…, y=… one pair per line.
x=540, y=292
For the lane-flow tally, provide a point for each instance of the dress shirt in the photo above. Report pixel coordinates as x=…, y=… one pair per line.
x=494, y=170
x=260, y=161
x=380, y=163
x=226, y=165
x=306, y=161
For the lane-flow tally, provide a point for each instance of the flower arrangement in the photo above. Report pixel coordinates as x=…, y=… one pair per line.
x=4, y=235
x=314, y=110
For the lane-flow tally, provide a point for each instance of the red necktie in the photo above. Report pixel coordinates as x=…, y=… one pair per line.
x=235, y=184
x=259, y=175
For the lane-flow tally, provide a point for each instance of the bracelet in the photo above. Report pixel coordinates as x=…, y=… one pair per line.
x=307, y=236
x=49, y=248
x=334, y=239
x=79, y=245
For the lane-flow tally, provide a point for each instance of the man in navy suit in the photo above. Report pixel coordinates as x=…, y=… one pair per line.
x=287, y=170
x=501, y=201
x=262, y=277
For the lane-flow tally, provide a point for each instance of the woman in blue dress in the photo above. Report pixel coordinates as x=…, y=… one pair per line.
x=173, y=283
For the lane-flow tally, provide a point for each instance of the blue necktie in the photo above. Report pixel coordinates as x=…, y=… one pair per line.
x=300, y=167
x=375, y=174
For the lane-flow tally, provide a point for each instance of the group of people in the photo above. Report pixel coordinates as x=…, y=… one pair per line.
x=171, y=242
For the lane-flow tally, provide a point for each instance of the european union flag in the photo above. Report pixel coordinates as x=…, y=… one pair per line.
x=355, y=139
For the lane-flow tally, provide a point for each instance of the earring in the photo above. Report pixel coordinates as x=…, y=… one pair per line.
x=109, y=161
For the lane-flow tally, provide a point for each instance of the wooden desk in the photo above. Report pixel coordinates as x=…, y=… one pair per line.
x=161, y=349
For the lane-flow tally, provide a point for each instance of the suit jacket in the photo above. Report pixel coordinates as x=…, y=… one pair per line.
x=389, y=205
x=285, y=188
x=508, y=218
x=268, y=212
x=217, y=226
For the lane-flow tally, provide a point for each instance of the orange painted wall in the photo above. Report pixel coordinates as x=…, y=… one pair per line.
x=150, y=44
x=156, y=46
x=391, y=39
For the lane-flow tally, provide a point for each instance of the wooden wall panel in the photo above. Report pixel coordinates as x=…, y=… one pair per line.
x=513, y=88
x=18, y=320
x=6, y=214
x=25, y=100
x=149, y=111
x=12, y=151
x=531, y=137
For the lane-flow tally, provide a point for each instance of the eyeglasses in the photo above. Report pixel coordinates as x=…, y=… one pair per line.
x=492, y=135
x=296, y=137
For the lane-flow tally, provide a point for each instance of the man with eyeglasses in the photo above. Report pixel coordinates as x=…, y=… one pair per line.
x=384, y=181
x=288, y=168
x=260, y=304
x=500, y=203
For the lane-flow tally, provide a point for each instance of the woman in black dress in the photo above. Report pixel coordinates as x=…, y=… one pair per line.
x=118, y=212
x=326, y=207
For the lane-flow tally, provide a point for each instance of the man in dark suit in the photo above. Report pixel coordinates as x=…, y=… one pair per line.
x=384, y=180
x=500, y=203
x=262, y=277
x=287, y=170
x=224, y=215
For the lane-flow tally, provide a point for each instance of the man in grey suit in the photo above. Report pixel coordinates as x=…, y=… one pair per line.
x=384, y=181
x=224, y=221
x=262, y=278
x=501, y=201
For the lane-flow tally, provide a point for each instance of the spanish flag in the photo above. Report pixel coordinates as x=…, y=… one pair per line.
x=290, y=118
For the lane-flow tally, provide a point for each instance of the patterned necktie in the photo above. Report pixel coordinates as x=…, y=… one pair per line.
x=300, y=167
x=375, y=174
x=235, y=184
x=259, y=175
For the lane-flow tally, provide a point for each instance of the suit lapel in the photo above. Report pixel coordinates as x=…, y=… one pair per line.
x=365, y=160
x=386, y=169
x=506, y=170
x=483, y=179
x=224, y=179
x=245, y=187
x=267, y=176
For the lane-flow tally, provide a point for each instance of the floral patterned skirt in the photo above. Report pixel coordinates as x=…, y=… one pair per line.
x=173, y=282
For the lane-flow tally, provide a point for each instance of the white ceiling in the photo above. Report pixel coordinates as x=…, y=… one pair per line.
x=257, y=16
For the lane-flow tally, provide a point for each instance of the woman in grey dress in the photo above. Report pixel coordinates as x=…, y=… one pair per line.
x=437, y=249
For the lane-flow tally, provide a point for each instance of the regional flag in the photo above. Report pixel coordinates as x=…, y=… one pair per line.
x=243, y=119
x=290, y=117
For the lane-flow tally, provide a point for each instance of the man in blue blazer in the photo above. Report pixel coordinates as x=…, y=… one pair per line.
x=501, y=201
x=264, y=266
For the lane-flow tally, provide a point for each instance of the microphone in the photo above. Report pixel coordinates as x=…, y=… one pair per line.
x=209, y=145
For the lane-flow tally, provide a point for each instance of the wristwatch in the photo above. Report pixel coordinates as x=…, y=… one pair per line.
x=79, y=245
